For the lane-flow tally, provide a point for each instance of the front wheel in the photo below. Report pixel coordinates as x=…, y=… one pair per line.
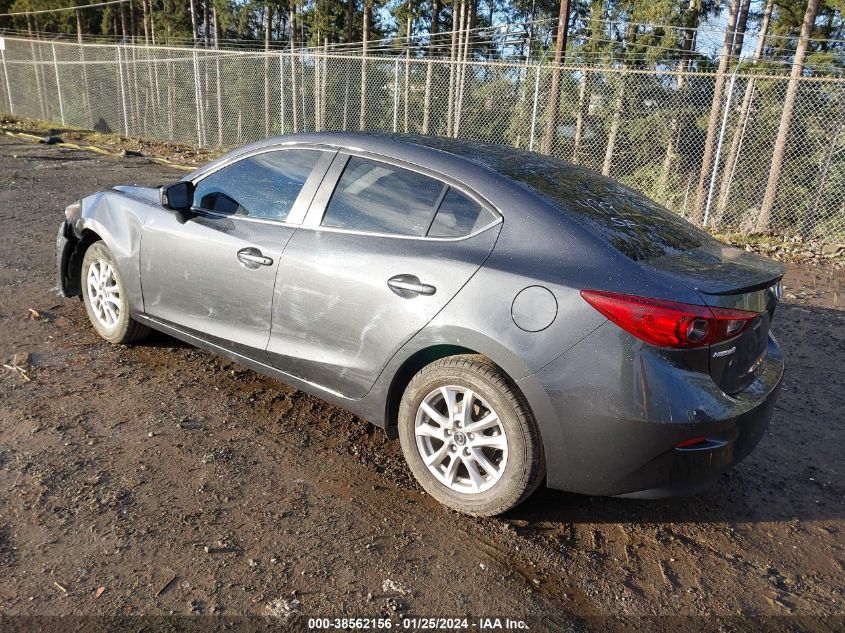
x=105, y=297
x=469, y=437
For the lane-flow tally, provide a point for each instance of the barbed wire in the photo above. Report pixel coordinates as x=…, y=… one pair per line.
x=517, y=40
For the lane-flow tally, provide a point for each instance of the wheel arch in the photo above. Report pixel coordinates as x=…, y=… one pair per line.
x=74, y=264
x=421, y=358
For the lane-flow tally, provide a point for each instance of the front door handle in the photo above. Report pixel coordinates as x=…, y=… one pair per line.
x=252, y=258
x=408, y=286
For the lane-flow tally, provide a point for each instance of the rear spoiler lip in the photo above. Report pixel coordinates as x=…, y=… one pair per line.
x=754, y=287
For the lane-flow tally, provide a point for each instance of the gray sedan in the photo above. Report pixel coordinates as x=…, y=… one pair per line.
x=512, y=318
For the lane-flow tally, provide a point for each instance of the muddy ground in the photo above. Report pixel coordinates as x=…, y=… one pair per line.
x=159, y=479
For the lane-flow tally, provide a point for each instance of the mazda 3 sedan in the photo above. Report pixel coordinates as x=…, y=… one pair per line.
x=512, y=318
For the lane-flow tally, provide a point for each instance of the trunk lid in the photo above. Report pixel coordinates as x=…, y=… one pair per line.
x=728, y=277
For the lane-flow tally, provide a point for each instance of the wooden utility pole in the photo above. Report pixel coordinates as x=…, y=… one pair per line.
x=553, y=105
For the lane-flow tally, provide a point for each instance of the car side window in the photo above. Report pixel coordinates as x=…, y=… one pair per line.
x=382, y=198
x=263, y=186
x=459, y=215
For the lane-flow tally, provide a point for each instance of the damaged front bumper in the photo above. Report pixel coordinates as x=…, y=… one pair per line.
x=66, y=243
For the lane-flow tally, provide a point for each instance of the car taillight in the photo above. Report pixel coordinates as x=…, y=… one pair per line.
x=670, y=323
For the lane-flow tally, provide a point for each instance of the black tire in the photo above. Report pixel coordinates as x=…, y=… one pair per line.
x=126, y=329
x=525, y=468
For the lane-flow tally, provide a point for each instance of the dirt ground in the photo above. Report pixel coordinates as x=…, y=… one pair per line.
x=159, y=479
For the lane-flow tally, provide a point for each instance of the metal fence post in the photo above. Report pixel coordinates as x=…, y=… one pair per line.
x=122, y=90
x=197, y=97
x=58, y=84
x=534, y=109
x=282, y=90
x=395, y=93
x=719, y=147
x=6, y=75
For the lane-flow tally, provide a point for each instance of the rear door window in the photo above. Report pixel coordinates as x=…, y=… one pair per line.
x=382, y=198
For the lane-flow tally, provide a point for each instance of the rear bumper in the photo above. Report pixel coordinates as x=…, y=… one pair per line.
x=618, y=420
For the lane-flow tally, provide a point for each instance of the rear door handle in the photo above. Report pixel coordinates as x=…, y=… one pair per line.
x=252, y=258
x=408, y=286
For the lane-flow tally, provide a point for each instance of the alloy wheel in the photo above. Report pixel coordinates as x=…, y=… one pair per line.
x=103, y=293
x=461, y=439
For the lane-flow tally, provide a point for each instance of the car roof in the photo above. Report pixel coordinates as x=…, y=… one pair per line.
x=491, y=156
x=472, y=162
x=455, y=159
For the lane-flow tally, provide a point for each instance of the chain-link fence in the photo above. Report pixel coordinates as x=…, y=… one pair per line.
x=648, y=129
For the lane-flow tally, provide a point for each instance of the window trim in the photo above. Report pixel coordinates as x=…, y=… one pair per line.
x=303, y=201
x=331, y=179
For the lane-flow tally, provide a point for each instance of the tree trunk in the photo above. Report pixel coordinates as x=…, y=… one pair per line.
x=206, y=15
x=459, y=105
x=350, y=14
x=132, y=31
x=614, y=126
x=193, y=9
x=553, y=104
x=434, y=29
x=144, y=20
x=741, y=24
x=786, y=117
x=741, y=121
x=152, y=24
x=707, y=165
x=692, y=17
x=123, y=26
x=435, y=20
x=39, y=85
x=86, y=94
x=459, y=51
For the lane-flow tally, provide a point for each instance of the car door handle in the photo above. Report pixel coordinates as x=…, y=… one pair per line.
x=407, y=286
x=252, y=258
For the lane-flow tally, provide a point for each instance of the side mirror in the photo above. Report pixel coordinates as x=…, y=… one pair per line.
x=178, y=197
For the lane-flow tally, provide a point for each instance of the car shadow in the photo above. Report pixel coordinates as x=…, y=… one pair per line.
x=160, y=340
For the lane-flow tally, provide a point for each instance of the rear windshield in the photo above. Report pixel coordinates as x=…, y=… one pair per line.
x=638, y=227
x=633, y=224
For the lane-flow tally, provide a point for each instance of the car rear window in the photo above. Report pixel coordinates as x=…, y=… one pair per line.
x=636, y=226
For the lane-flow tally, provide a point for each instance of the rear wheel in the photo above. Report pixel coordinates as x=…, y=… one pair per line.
x=105, y=297
x=469, y=437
